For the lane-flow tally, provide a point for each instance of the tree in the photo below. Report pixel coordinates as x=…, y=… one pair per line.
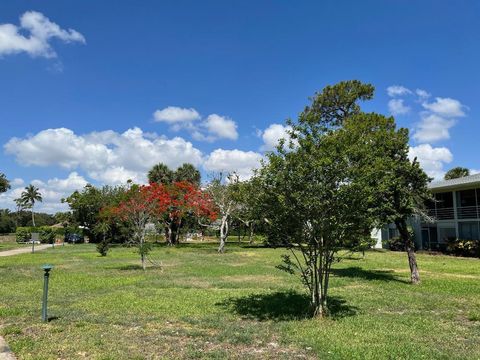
x=4, y=183
x=456, y=172
x=178, y=200
x=137, y=210
x=7, y=224
x=397, y=187
x=313, y=209
x=159, y=202
x=160, y=173
x=343, y=172
x=221, y=191
x=29, y=196
x=245, y=195
x=189, y=173
x=87, y=204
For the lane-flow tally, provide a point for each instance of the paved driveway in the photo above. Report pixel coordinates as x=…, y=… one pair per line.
x=25, y=250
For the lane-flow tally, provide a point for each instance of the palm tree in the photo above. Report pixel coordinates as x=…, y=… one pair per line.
x=456, y=172
x=161, y=174
x=29, y=196
x=188, y=172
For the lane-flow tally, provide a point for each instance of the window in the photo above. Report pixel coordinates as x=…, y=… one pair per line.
x=468, y=230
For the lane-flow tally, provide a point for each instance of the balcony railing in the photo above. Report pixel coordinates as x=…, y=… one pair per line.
x=467, y=212
x=442, y=213
x=463, y=212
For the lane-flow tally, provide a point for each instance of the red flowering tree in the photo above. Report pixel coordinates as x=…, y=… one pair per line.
x=177, y=200
x=167, y=204
x=136, y=210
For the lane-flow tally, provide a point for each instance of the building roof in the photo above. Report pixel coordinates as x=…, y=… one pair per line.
x=454, y=184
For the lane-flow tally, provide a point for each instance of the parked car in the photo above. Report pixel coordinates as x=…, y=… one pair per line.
x=74, y=238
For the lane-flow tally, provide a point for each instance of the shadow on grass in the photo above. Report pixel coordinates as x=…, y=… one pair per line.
x=282, y=306
x=129, y=267
x=359, y=273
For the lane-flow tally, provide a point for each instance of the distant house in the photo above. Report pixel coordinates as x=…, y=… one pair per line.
x=455, y=213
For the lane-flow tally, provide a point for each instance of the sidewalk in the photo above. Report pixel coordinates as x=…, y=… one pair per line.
x=5, y=353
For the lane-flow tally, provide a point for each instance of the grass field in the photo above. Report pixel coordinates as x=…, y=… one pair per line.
x=7, y=242
x=200, y=304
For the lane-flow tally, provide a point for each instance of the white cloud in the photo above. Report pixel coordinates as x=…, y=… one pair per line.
x=40, y=30
x=397, y=90
x=17, y=182
x=107, y=156
x=431, y=159
x=227, y=161
x=397, y=107
x=211, y=128
x=52, y=192
x=422, y=94
x=433, y=128
x=174, y=114
x=272, y=135
x=221, y=127
x=447, y=107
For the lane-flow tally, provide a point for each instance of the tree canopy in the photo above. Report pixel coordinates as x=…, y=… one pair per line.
x=4, y=183
x=162, y=174
x=456, y=172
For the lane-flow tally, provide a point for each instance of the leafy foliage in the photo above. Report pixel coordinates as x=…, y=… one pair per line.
x=4, y=183
x=23, y=234
x=47, y=235
x=397, y=187
x=86, y=206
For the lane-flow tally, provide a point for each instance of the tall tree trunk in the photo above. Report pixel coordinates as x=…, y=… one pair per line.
x=250, y=233
x=142, y=251
x=223, y=234
x=33, y=217
x=402, y=227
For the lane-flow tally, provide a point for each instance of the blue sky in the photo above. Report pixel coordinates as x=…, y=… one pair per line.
x=98, y=91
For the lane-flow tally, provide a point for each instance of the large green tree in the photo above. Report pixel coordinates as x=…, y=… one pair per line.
x=309, y=200
x=29, y=197
x=87, y=204
x=456, y=172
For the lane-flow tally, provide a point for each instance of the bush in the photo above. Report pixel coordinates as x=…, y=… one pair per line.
x=460, y=247
x=47, y=235
x=395, y=244
x=103, y=247
x=23, y=234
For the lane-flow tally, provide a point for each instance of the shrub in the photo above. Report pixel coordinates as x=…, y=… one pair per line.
x=395, y=244
x=461, y=247
x=23, y=234
x=47, y=235
x=103, y=247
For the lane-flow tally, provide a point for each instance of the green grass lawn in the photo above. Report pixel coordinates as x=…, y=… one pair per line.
x=200, y=304
x=8, y=242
